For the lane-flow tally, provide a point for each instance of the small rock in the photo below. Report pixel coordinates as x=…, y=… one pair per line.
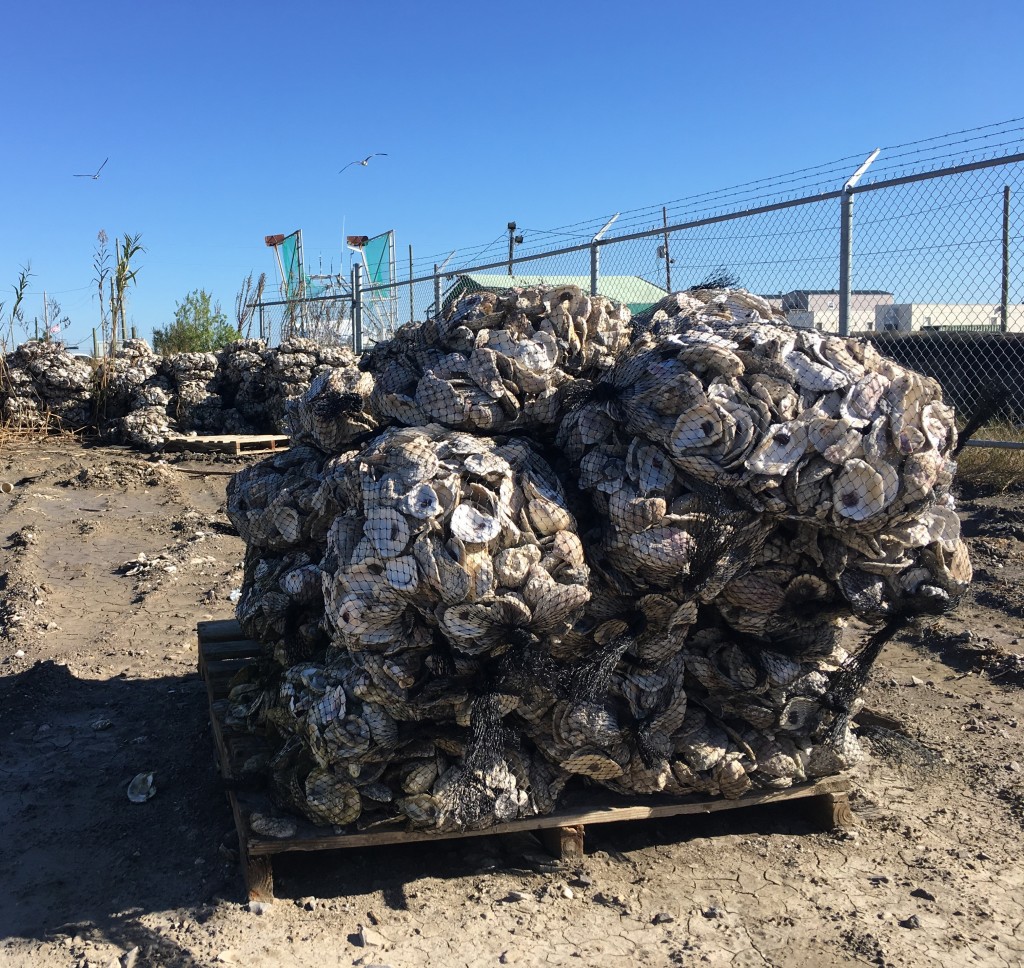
x=712, y=912
x=911, y=922
x=308, y=903
x=100, y=724
x=581, y=880
x=20, y=654
x=567, y=893
x=922, y=893
x=542, y=863
x=515, y=896
x=227, y=956
x=130, y=957
x=368, y=938
x=1014, y=767
x=914, y=681
x=257, y=907
x=662, y=918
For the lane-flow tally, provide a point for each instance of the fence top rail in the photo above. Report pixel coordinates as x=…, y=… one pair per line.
x=677, y=227
x=629, y=237
x=304, y=299
x=938, y=173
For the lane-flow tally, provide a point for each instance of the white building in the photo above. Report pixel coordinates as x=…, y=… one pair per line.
x=961, y=317
x=819, y=308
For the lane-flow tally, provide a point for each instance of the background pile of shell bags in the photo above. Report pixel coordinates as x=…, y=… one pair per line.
x=537, y=542
x=149, y=401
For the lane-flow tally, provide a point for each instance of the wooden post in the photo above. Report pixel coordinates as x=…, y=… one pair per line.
x=95, y=345
x=832, y=811
x=564, y=843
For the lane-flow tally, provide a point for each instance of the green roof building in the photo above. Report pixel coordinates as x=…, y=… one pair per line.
x=637, y=293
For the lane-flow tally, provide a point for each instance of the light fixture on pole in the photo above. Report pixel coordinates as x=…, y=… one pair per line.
x=513, y=241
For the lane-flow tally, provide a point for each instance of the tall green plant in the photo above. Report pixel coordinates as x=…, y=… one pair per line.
x=125, y=250
x=17, y=314
x=100, y=260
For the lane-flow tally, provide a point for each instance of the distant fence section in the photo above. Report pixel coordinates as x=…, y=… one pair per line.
x=925, y=264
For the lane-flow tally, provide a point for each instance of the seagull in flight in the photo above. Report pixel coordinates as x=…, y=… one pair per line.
x=365, y=161
x=98, y=170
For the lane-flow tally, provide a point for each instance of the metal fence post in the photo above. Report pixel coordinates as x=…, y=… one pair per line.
x=846, y=244
x=357, y=308
x=437, y=292
x=595, y=254
x=845, y=259
x=263, y=334
x=412, y=311
x=1004, y=296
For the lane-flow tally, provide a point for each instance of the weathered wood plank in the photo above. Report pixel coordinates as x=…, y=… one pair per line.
x=310, y=837
x=219, y=630
x=231, y=649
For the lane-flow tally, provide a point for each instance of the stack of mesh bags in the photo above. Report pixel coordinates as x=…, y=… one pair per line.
x=243, y=383
x=290, y=369
x=497, y=363
x=197, y=404
x=41, y=381
x=134, y=390
x=626, y=556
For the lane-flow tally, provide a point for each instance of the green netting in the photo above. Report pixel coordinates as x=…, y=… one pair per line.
x=292, y=269
x=377, y=254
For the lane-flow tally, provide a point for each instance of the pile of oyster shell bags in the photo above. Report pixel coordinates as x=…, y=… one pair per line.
x=42, y=382
x=532, y=545
x=148, y=400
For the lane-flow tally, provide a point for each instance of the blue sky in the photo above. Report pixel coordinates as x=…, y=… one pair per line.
x=225, y=122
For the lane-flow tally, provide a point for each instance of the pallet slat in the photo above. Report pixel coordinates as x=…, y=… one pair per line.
x=571, y=821
x=222, y=652
x=219, y=630
x=236, y=444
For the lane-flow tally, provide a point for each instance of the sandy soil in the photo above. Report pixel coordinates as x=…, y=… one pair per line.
x=98, y=683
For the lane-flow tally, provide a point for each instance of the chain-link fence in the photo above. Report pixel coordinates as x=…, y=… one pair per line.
x=326, y=319
x=923, y=264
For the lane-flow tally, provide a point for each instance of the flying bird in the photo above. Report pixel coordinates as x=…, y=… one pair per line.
x=365, y=161
x=98, y=170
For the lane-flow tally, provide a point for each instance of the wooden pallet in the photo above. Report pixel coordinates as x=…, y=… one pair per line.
x=223, y=650
x=236, y=444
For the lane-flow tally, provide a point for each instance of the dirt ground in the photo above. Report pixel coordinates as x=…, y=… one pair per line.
x=108, y=559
